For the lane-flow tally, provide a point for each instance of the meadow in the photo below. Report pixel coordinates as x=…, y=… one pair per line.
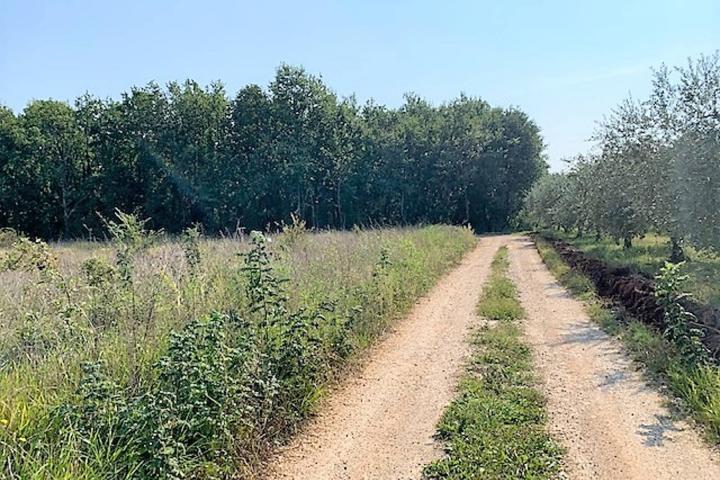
x=155, y=357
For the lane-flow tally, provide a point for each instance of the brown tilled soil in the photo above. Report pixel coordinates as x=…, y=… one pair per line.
x=380, y=423
x=612, y=423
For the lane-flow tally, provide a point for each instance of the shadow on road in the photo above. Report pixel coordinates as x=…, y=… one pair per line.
x=655, y=433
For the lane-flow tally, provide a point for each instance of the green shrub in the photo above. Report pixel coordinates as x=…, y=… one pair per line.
x=680, y=327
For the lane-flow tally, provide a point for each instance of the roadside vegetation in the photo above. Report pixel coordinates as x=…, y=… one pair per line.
x=648, y=255
x=151, y=357
x=673, y=356
x=496, y=427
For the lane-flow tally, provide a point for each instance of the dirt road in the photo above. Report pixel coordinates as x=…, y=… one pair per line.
x=613, y=425
x=380, y=424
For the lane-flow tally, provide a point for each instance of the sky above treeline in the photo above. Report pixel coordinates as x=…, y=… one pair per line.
x=565, y=63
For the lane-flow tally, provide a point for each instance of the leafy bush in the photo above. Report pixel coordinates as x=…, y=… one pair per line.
x=191, y=247
x=680, y=326
x=28, y=255
x=8, y=237
x=131, y=237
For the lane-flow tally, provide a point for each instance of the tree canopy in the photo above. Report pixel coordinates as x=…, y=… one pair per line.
x=189, y=154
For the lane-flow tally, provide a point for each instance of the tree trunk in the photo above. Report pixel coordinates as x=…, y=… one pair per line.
x=677, y=253
x=467, y=208
x=66, y=213
x=313, y=213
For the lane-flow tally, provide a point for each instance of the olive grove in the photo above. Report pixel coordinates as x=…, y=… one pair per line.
x=656, y=166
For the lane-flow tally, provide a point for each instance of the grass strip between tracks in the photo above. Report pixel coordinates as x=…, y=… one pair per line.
x=496, y=426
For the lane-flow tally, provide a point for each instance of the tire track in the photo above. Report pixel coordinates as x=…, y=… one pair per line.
x=381, y=423
x=612, y=423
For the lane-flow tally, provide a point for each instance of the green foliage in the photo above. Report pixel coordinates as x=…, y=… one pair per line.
x=176, y=376
x=188, y=418
x=188, y=154
x=191, y=247
x=263, y=288
x=292, y=233
x=655, y=168
x=28, y=255
x=98, y=272
x=680, y=326
x=202, y=400
x=131, y=237
x=496, y=426
x=8, y=237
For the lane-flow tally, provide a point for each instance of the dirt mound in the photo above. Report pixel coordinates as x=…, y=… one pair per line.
x=636, y=293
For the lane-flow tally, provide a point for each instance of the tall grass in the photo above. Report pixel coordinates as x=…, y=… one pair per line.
x=190, y=358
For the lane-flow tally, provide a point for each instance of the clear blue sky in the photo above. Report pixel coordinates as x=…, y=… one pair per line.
x=566, y=63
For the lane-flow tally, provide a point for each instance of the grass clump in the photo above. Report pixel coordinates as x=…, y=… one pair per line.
x=694, y=384
x=499, y=298
x=495, y=428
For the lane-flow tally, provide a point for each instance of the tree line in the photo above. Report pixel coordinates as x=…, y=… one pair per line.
x=190, y=154
x=656, y=166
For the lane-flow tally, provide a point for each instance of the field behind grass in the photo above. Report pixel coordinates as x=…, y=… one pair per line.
x=649, y=254
x=190, y=358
